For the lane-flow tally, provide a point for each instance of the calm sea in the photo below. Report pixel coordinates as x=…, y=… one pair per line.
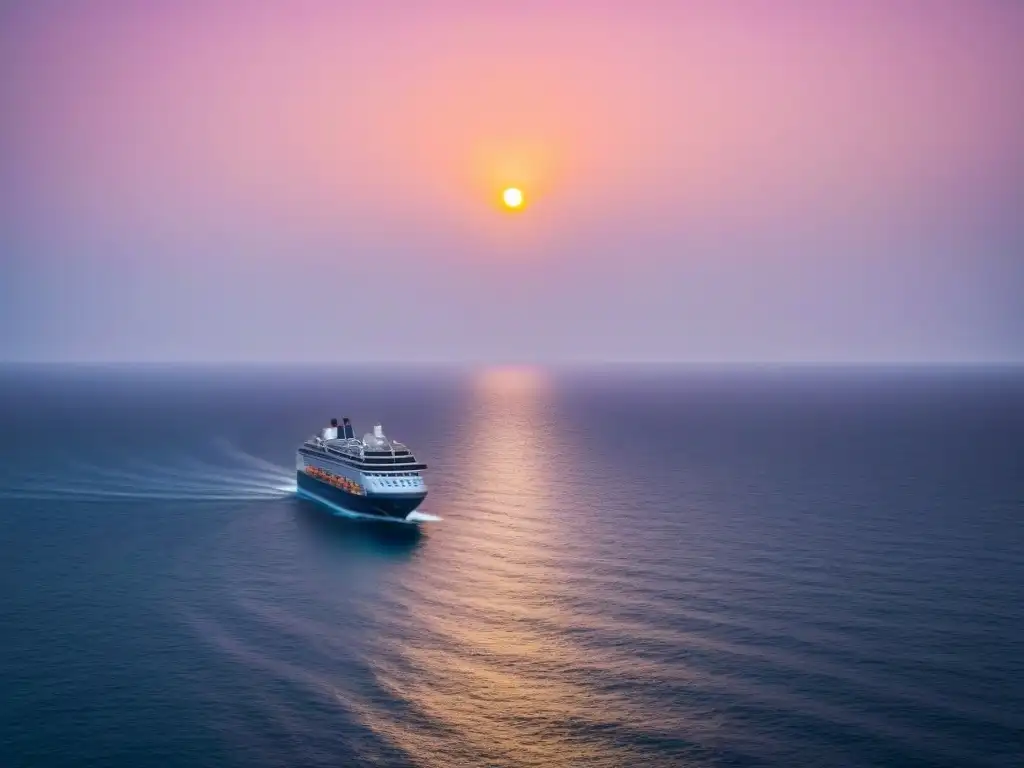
x=633, y=568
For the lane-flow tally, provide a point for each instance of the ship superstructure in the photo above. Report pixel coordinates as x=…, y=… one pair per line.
x=372, y=475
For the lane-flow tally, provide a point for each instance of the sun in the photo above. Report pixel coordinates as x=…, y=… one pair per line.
x=512, y=197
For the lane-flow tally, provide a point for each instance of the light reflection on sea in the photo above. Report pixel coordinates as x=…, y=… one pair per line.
x=703, y=570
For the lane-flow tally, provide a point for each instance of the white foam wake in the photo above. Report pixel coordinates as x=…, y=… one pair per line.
x=411, y=519
x=423, y=517
x=238, y=477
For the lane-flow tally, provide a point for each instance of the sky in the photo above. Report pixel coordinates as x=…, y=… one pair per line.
x=717, y=181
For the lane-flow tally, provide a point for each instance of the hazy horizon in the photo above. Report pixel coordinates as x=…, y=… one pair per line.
x=531, y=368
x=706, y=182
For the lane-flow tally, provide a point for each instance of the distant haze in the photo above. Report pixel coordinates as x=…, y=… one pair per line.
x=713, y=181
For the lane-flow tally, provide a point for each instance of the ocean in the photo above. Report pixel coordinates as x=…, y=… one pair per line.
x=632, y=567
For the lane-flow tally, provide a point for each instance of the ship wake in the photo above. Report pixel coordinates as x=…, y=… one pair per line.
x=423, y=517
x=230, y=474
x=411, y=519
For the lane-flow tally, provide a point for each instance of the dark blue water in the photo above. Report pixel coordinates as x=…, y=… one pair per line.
x=692, y=568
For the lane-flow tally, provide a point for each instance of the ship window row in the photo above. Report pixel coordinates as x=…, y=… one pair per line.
x=406, y=483
x=391, y=469
x=334, y=468
x=382, y=462
x=335, y=462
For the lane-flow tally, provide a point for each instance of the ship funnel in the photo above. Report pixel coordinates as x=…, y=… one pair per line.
x=347, y=429
x=378, y=431
x=331, y=432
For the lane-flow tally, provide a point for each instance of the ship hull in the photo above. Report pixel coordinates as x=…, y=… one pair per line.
x=390, y=507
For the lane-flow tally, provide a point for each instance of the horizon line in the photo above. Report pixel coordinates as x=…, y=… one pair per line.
x=695, y=363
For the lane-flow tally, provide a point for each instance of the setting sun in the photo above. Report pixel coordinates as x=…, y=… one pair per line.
x=513, y=197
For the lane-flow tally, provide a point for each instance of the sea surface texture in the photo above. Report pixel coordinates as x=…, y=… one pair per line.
x=632, y=568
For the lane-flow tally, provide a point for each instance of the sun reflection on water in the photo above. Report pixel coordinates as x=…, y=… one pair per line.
x=491, y=384
x=489, y=664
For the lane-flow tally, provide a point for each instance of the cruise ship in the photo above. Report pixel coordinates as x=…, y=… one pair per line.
x=371, y=476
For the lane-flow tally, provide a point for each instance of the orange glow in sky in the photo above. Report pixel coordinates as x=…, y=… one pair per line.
x=756, y=177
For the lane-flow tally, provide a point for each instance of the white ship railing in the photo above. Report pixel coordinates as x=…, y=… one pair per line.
x=353, y=446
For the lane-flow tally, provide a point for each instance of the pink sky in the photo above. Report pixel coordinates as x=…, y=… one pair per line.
x=844, y=175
